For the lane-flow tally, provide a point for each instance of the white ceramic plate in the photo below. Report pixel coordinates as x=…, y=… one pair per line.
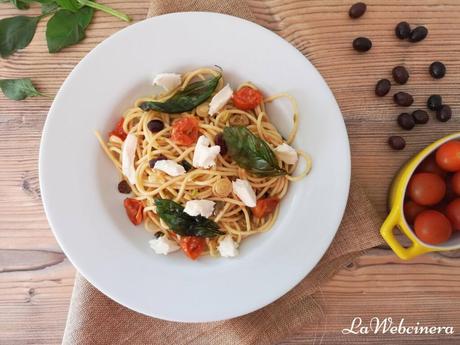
x=79, y=183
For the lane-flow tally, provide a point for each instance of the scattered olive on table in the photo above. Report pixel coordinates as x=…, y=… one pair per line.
x=382, y=87
x=362, y=44
x=154, y=160
x=357, y=10
x=403, y=99
x=434, y=102
x=396, y=142
x=406, y=121
x=418, y=34
x=124, y=187
x=420, y=116
x=400, y=74
x=155, y=126
x=444, y=113
x=402, y=30
x=437, y=70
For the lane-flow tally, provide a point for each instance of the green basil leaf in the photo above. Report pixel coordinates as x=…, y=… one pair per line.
x=16, y=33
x=184, y=224
x=250, y=152
x=21, y=4
x=18, y=89
x=49, y=7
x=66, y=28
x=191, y=97
x=71, y=5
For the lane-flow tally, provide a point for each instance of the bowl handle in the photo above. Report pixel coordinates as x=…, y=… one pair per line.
x=387, y=233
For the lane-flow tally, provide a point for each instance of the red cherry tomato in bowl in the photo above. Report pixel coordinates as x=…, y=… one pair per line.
x=247, y=98
x=455, y=183
x=453, y=213
x=411, y=210
x=429, y=165
x=426, y=188
x=432, y=227
x=448, y=156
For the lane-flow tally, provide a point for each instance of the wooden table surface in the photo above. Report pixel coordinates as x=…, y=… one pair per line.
x=35, y=276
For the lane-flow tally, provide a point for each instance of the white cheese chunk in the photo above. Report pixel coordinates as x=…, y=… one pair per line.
x=203, y=208
x=220, y=99
x=163, y=245
x=128, y=154
x=244, y=191
x=286, y=153
x=170, y=167
x=204, y=155
x=168, y=81
x=227, y=247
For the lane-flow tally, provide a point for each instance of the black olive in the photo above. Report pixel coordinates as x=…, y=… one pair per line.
x=403, y=99
x=406, y=121
x=357, y=10
x=362, y=44
x=437, y=70
x=382, y=87
x=434, y=102
x=155, y=125
x=124, y=187
x=418, y=34
x=219, y=140
x=400, y=74
x=444, y=113
x=154, y=160
x=420, y=116
x=396, y=142
x=402, y=30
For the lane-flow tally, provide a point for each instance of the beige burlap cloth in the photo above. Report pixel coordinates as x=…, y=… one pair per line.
x=96, y=319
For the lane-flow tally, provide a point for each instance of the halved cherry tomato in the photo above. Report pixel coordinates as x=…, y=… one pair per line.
x=453, y=213
x=118, y=130
x=264, y=207
x=411, y=210
x=247, y=98
x=455, y=183
x=192, y=246
x=426, y=188
x=429, y=165
x=432, y=227
x=448, y=156
x=185, y=131
x=134, y=209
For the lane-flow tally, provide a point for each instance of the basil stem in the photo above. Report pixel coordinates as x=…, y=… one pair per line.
x=105, y=9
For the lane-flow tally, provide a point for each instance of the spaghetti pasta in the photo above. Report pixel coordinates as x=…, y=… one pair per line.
x=231, y=214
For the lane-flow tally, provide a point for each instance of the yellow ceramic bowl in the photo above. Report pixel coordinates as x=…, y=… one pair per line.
x=396, y=217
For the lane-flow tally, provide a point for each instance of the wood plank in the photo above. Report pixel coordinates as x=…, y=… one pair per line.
x=36, y=279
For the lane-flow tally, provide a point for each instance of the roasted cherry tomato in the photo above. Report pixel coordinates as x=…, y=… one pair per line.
x=453, y=213
x=432, y=227
x=134, y=209
x=185, y=131
x=429, y=165
x=448, y=156
x=455, y=183
x=264, y=207
x=192, y=246
x=247, y=98
x=426, y=188
x=118, y=130
x=411, y=210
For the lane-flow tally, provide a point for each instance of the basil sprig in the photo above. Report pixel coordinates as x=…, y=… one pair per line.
x=18, y=89
x=192, y=96
x=184, y=224
x=250, y=152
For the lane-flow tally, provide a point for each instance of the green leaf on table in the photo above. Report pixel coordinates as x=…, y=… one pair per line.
x=66, y=28
x=16, y=33
x=192, y=96
x=184, y=224
x=71, y=5
x=49, y=6
x=251, y=152
x=20, y=4
x=18, y=89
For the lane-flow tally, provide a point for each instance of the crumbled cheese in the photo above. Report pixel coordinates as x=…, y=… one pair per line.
x=163, y=245
x=170, y=167
x=286, y=153
x=128, y=154
x=168, y=81
x=227, y=247
x=203, y=208
x=220, y=99
x=205, y=156
x=244, y=191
